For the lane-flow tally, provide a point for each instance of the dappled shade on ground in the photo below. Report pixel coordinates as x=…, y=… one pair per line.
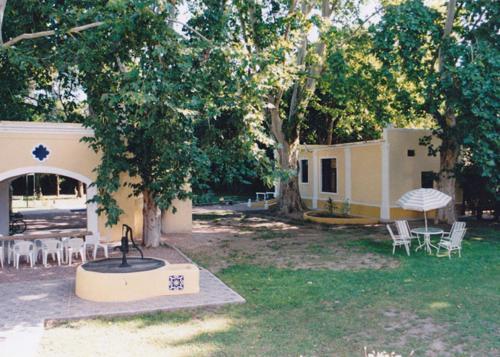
x=435, y=306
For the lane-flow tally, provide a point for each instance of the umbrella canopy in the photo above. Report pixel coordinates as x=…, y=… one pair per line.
x=423, y=200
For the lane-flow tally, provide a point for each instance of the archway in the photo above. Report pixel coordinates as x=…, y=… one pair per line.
x=7, y=176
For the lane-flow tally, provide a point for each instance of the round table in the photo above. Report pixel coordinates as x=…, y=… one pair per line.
x=427, y=237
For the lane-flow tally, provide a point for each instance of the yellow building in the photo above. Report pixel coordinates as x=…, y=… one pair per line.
x=371, y=175
x=56, y=148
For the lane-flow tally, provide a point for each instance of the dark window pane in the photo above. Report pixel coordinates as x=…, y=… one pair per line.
x=427, y=179
x=304, y=166
x=411, y=153
x=329, y=175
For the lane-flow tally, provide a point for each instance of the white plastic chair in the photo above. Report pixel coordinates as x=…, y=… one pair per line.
x=9, y=247
x=38, y=248
x=455, y=226
x=404, y=231
x=454, y=242
x=23, y=249
x=52, y=247
x=398, y=241
x=94, y=240
x=75, y=246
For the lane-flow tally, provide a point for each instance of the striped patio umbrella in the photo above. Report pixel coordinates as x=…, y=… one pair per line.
x=423, y=200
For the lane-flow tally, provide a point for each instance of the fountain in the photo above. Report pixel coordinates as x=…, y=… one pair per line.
x=133, y=278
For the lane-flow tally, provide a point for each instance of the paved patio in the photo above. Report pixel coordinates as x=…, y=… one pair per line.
x=33, y=297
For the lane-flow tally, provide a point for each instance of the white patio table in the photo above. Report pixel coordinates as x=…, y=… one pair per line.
x=427, y=232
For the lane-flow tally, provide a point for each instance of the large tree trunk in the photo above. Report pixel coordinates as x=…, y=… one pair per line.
x=450, y=149
x=448, y=160
x=151, y=216
x=58, y=185
x=289, y=200
x=79, y=189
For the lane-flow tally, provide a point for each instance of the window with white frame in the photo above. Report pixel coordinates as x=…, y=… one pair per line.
x=304, y=171
x=329, y=175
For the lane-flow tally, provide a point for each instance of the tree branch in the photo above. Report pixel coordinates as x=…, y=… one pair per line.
x=198, y=33
x=3, y=3
x=31, y=36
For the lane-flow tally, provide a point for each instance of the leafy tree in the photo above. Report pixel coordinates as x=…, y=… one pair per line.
x=138, y=78
x=352, y=101
x=276, y=68
x=451, y=61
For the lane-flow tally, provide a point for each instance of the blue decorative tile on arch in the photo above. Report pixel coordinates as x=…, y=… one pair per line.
x=176, y=282
x=40, y=152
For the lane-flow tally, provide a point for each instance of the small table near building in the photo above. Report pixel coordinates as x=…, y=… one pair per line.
x=427, y=232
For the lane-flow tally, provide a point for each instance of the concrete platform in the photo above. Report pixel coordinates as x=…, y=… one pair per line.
x=28, y=305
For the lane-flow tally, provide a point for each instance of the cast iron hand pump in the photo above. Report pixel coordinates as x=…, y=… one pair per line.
x=124, y=247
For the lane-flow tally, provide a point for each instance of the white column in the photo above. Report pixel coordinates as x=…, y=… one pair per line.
x=347, y=173
x=315, y=179
x=92, y=220
x=385, y=211
x=277, y=184
x=4, y=207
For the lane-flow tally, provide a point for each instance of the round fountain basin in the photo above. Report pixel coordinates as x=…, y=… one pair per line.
x=113, y=265
x=105, y=281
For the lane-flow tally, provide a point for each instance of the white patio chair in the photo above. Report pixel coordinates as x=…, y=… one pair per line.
x=9, y=247
x=455, y=226
x=454, y=242
x=23, y=249
x=94, y=241
x=75, y=246
x=38, y=249
x=52, y=247
x=404, y=231
x=398, y=241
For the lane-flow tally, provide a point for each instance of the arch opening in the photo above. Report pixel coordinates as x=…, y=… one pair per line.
x=7, y=177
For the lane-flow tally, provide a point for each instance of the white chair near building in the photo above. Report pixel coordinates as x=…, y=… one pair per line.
x=452, y=242
x=455, y=226
x=75, y=246
x=52, y=247
x=23, y=249
x=399, y=241
x=404, y=231
x=94, y=241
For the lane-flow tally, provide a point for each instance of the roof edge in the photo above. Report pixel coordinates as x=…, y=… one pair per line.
x=27, y=127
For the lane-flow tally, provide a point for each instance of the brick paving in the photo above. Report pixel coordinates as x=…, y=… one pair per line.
x=28, y=303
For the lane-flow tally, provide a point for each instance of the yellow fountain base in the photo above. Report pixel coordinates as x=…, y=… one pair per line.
x=168, y=279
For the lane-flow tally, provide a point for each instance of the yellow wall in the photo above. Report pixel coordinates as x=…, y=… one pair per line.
x=67, y=152
x=366, y=174
x=405, y=171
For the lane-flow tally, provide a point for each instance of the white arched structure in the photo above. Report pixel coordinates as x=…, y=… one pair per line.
x=7, y=176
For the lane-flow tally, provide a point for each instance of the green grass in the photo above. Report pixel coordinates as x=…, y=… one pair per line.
x=427, y=304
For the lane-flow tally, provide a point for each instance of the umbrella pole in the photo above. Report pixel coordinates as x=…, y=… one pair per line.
x=425, y=218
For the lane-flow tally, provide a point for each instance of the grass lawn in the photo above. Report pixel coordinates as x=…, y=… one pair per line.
x=434, y=306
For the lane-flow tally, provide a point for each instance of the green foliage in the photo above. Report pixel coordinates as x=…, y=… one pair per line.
x=353, y=101
x=408, y=41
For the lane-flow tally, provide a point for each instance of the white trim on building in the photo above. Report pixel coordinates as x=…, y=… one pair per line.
x=23, y=127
